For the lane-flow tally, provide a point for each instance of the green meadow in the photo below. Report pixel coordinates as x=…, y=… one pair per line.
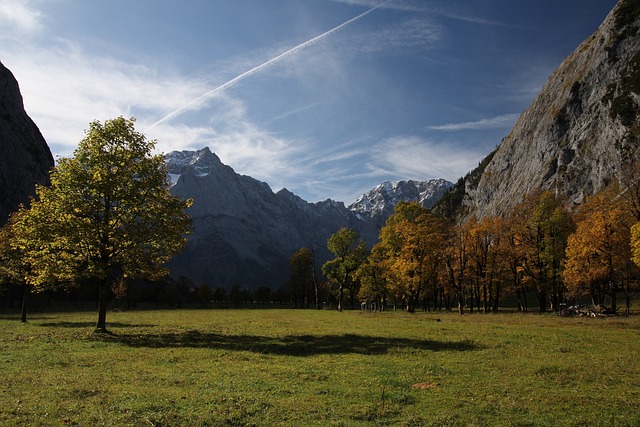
x=318, y=368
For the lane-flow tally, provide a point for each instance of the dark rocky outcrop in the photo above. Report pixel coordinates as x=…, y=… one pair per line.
x=25, y=158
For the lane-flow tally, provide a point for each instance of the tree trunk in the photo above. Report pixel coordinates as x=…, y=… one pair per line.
x=340, y=297
x=411, y=305
x=102, y=305
x=542, y=301
x=25, y=302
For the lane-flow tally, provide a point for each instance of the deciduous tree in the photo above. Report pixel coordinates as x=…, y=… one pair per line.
x=485, y=260
x=350, y=252
x=414, y=241
x=372, y=275
x=546, y=224
x=108, y=214
x=599, y=252
x=456, y=256
x=303, y=279
x=14, y=266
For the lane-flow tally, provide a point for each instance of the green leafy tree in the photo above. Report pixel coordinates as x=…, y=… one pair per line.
x=14, y=266
x=108, y=214
x=204, y=294
x=303, y=280
x=350, y=253
x=373, y=278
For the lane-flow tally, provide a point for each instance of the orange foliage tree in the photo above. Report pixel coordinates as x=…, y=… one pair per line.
x=599, y=252
x=414, y=241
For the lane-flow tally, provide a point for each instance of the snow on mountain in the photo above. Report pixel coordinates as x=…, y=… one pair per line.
x=202, y=161
x=380, y=202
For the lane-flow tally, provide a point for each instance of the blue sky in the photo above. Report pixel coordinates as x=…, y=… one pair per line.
x=327, y=98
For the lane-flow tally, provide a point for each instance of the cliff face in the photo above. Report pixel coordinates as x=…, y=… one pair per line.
x=580, y=131
x=25, y=158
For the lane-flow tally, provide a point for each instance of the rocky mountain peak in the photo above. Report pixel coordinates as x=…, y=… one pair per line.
x=379, y=202
x=245, y=233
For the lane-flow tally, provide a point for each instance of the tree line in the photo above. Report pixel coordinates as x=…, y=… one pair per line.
x=542, y=255
x=108, y=221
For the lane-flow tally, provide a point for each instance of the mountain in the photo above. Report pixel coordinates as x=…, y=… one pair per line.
x=244, y=233
x=25, y=158
x=379, y=202
x=578, y=134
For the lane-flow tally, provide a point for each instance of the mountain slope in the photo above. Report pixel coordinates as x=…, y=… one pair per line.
x=244, y=233
x=25, y=158
x=580, y=131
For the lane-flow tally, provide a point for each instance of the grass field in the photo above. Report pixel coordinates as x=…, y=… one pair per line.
x=324, y=368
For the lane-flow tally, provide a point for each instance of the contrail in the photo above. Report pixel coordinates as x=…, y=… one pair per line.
x=264, y=65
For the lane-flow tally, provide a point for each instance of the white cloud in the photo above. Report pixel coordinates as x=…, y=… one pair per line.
x=498, y=122
x=64, y=89
x=19, y=15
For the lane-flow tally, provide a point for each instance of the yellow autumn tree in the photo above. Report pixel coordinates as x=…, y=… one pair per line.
x=456, y=263
x=541, y=230
x=414, y=240
x=485, y=261
x=599, y=252
x=107, y=215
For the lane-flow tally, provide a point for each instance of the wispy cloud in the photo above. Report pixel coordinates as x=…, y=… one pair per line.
x=419, y=158
x=403, y=5
x=290, y=52
x=432, y=8
x=498, y=122
x=397, y=37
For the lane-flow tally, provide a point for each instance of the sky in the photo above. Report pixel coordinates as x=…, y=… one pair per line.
x=327, y=98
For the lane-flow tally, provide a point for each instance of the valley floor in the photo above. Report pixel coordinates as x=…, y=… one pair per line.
x=306, y=367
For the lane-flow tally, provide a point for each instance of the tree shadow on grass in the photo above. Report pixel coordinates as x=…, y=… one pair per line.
x=293, y=345
x=91, y=324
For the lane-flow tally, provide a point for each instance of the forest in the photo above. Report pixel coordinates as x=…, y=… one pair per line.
x=543, y=256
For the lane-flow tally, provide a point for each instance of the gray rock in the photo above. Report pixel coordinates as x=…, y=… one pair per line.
x=579, y=132
x=380, y=202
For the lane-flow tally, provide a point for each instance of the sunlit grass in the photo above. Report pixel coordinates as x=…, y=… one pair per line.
x=306, y=367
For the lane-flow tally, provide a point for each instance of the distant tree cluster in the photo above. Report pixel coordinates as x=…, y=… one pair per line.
x=540, y=254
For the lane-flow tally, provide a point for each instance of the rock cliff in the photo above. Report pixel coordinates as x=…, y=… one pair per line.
x=579, y=132
x=25, y=158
